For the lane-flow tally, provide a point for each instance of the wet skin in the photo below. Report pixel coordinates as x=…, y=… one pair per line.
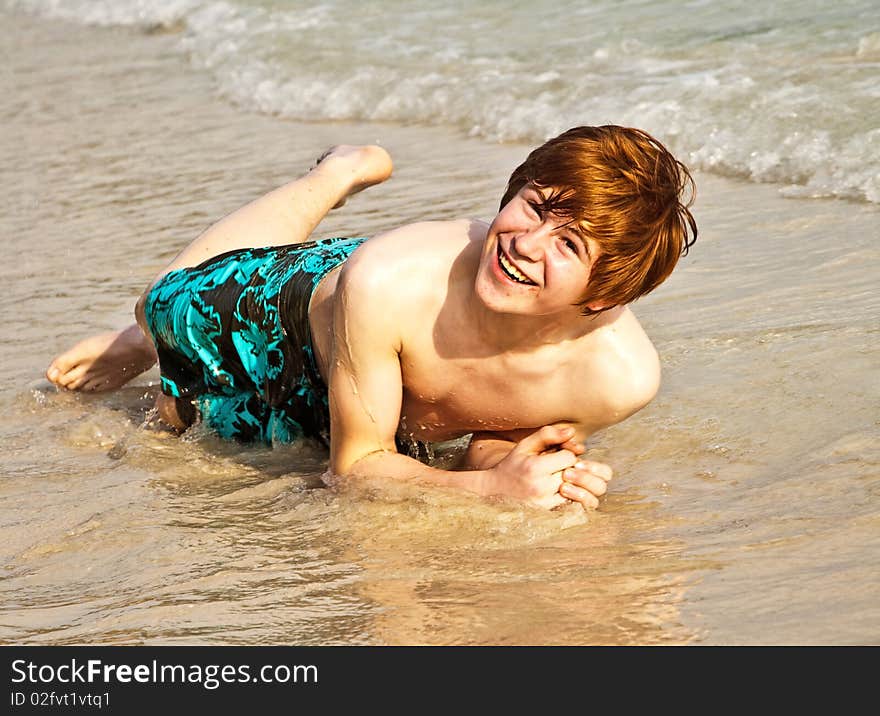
x=473, y=328
x=442, y=329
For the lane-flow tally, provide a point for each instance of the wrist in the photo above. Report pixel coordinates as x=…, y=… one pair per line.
x=478, y=482
x=484, y=482
x=387, y=463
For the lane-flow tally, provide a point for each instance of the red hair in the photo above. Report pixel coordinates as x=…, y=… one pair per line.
x=624, y=190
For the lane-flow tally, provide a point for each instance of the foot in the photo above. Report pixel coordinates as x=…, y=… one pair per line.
x=103, y=362
x=361, y=166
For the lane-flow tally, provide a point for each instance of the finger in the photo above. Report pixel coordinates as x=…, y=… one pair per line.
x=551, y=462
x=551, y=502
x=599, y=469
x=579, y=495
x=540, y=440
x=586, y=480
x=574, y=446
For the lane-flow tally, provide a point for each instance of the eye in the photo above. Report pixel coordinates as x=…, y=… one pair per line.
x=570, y=243
x=535, y=207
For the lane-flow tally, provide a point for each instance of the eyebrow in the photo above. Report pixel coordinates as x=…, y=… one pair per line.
x=576, y=227
x=546, y=204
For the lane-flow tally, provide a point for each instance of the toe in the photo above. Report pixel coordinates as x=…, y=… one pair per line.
x=325, y=155
x=58, y=367
x=74, y=378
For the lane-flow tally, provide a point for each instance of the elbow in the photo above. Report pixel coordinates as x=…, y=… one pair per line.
x=643, y=392
x=649, y=389
x=638, y=393
x=353, y=465
x=645, y=383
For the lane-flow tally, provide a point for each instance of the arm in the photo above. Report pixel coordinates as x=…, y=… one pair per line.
x=366, y=394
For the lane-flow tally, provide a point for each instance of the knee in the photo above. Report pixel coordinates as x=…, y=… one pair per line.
x=175, y=413
x=140, y=312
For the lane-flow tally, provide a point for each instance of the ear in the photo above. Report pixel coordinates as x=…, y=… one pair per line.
x=599, y=306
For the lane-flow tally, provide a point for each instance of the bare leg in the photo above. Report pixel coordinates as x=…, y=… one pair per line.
x=290, y=213
x=287, y=215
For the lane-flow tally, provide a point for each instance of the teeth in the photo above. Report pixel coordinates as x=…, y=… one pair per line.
x=511, y=269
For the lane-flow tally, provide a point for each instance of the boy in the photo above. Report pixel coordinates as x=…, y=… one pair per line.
x=517, y=333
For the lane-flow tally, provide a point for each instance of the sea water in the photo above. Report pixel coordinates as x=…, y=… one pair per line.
x=785, y=92
x=744, y=509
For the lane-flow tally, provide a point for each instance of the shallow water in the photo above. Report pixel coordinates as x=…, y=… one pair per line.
x=745, y=504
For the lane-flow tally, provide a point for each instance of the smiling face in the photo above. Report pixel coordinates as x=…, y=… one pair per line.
x=533, y=262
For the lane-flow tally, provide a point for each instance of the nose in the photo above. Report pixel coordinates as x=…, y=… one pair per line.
x=531, y=244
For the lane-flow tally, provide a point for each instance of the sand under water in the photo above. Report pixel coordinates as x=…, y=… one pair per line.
x=745, y=506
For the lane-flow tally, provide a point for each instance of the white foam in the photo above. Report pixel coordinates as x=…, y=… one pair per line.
x=106, y=13
x=791, y=103
x=869, y=46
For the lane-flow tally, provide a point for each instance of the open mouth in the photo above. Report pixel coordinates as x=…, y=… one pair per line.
x=511, y=271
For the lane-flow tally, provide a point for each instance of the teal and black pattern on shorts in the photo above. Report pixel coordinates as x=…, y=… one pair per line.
x=233, y=336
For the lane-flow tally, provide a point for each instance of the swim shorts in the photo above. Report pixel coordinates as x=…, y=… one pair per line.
x=233, y=336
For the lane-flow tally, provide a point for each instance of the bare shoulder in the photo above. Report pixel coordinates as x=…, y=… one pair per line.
x=623, y=374
x=424, y=239
x=411, y=260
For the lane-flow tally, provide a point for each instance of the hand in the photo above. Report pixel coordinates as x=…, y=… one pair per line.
x=585, y=482
x=533, y=470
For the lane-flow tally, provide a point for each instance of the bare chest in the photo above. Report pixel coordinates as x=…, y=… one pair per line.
x=444, y=398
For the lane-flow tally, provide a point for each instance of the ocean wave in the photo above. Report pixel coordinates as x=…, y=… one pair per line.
x=758, y=98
